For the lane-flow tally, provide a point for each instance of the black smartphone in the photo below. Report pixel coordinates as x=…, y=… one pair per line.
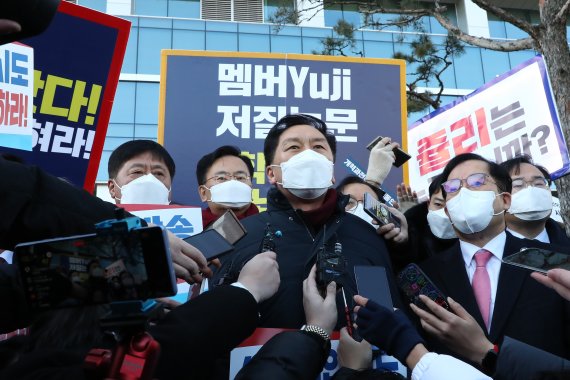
x=96, y=268
x=210, y=243
x=372, y=283
x=538, y=259
x=400, y=156
x=379, y=211
x=229, y=226
x=414, y=282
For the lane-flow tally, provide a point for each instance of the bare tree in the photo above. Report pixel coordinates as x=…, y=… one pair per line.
x=548, y=37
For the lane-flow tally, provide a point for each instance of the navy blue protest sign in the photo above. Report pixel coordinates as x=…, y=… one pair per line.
x=77, y=63
x=210, y=99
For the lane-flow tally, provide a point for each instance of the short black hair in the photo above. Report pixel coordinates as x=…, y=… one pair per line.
x=133, y=148
x=208, y=160
x=288, y=121
x=435, y=185
x=513, y=166
x=352, y=179
x=499, y=174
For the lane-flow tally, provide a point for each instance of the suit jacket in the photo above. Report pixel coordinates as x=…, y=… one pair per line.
x=556, y=233
x=524, y=309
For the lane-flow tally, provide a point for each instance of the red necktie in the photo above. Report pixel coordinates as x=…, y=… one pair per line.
x=482, y=284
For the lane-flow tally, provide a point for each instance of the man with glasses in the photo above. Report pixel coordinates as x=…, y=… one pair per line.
x=224, y=179
x=531, y=205
x=503, y=299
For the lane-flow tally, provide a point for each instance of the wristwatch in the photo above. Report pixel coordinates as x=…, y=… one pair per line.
x=316, y=330
x=489, y=362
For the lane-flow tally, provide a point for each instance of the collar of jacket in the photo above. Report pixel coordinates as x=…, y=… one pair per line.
x=277, y=201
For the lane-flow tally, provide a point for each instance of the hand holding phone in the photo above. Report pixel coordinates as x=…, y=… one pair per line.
x=413, y=282
x=538, y=259
x=400, y=157
x=379, y=211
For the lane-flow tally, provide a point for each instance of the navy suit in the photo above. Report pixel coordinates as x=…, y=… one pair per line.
x=524, y=309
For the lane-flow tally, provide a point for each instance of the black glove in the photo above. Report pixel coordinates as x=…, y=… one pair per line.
x=389, y=330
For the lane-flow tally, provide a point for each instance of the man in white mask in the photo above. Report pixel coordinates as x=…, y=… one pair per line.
x=531, y=205
x=502, y=299
x=140, y=172
x=225, y=182
x=309, y=215
x=429, y=229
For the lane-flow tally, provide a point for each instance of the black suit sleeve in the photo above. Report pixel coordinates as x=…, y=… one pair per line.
x=520, y=361
x=296, y=355
x=193, y=335
x=36, y=205
x=14, y=313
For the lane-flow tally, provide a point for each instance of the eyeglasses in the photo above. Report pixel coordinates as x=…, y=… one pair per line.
x=474, y=181
x=519, y=183
x=352, y=204
x=223, y=177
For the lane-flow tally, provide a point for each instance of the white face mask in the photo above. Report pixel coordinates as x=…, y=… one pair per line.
x=471, y=211
x=307, y=175
x=231, y=194
x=146, y=189
x=359, y=211
x=531, y=203
x=440, y=225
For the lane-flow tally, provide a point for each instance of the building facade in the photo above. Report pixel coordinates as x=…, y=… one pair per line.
x=243, y=25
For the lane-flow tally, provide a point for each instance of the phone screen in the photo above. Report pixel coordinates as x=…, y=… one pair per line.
x=372, y=283
x=93, y=269
x=379, y=211
x=537, y=259
x=414, y=282
x=210, y=243
x=229, y=227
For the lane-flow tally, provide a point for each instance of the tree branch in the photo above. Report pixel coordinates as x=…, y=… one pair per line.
x=424, y=97
x=562, y=15
x=506, y=16
x=487, y=43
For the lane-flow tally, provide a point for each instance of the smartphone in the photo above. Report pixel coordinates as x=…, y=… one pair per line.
x=400, y=156
x=379, y=211
x=210, y=243
x=414, y=282
x=538, y=259
x=372, y=283
x=96, y=268
x=229, y=226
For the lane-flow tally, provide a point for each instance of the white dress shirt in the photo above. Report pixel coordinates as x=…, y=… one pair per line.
x=433, y=366
x=542, y=236
x=496, y=246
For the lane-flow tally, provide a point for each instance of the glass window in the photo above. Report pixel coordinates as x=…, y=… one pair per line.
x=271, y=6
x=221, y=41
x=254, y=42
x=286, y=44
x=496, y=27
x=130, y=60
x=124, y=104
x=376, y=35
x=436, y=27
x=151, y=42
x=120, y=130
x=150, y=7
x=468, y=69
x=377, y=49
x=98, y=5
x=146, y=111
x=518, y=57
x=102, y=173
x=146, y=131
x=494, y=63
x=188, y=39
x=184, y=8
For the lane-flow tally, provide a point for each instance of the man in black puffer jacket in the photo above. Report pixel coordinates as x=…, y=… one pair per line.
x=299, y=153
